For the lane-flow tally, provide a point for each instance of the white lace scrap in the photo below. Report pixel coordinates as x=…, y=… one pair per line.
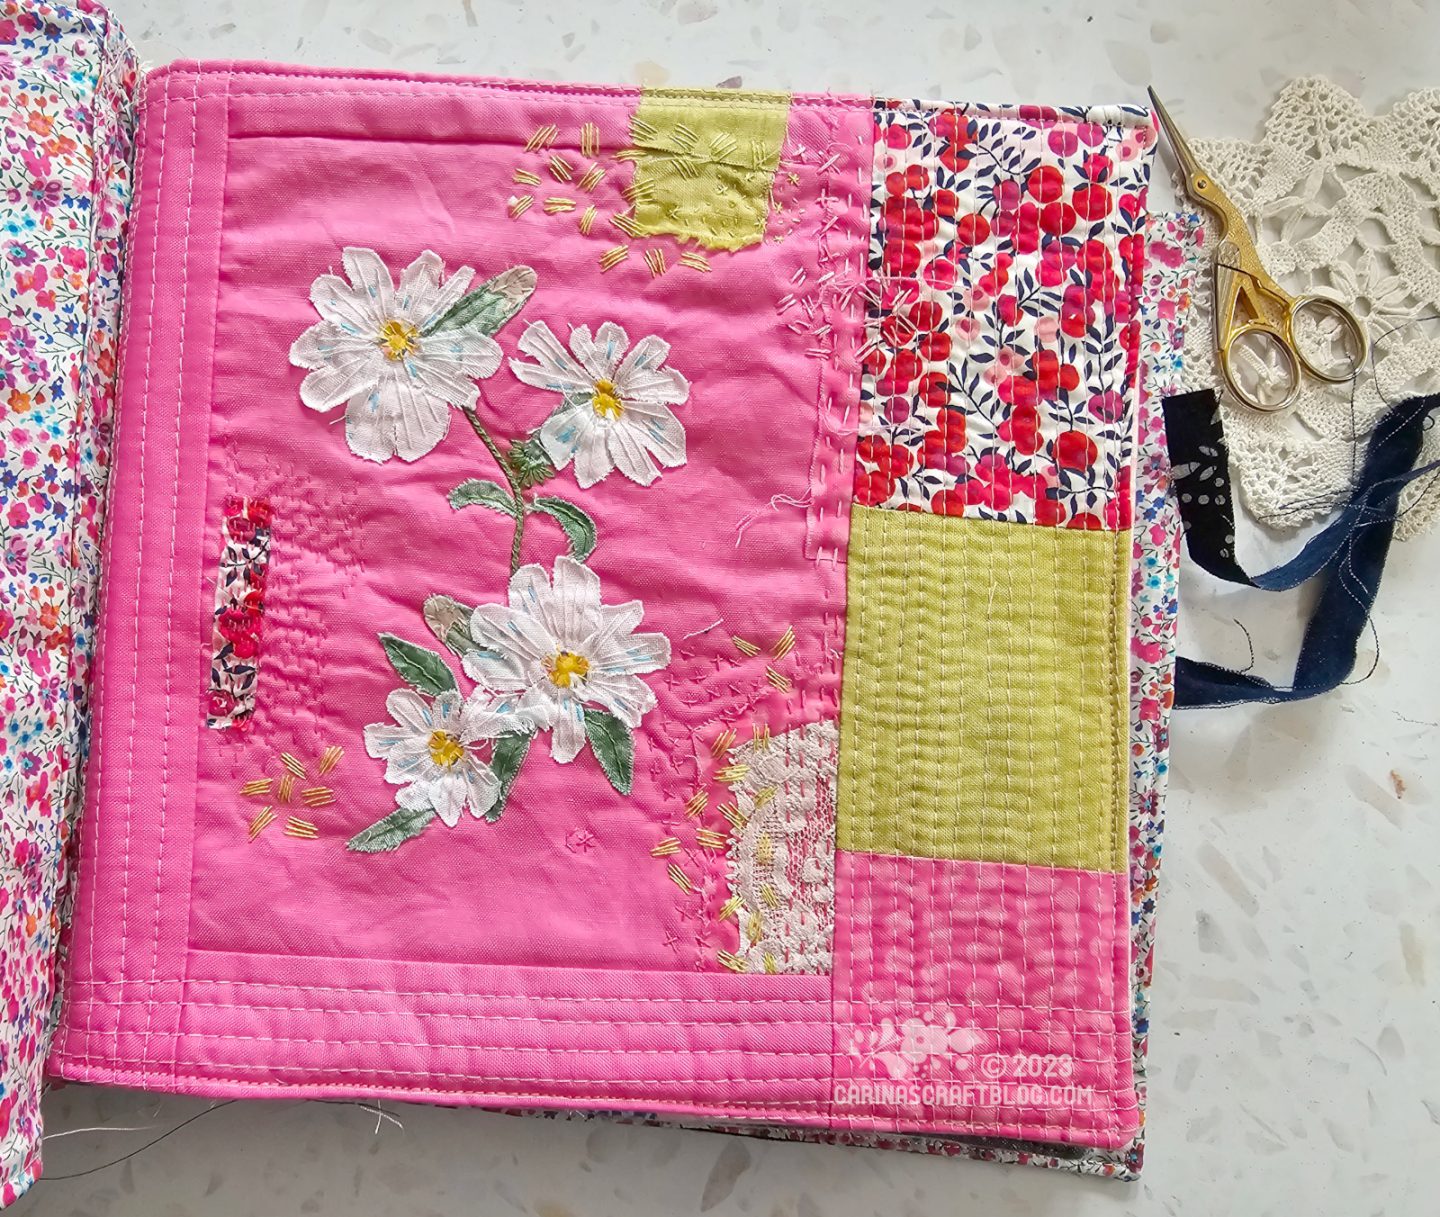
x=1344, y=203
x=782, y=857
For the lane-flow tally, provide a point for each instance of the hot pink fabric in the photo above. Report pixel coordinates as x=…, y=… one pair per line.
x=503, y=964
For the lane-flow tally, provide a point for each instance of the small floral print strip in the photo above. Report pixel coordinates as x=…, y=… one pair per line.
x=239, y=612
x=67, y=83
x=1005, y=254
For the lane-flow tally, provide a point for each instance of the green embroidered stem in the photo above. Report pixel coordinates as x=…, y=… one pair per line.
x=515, y=494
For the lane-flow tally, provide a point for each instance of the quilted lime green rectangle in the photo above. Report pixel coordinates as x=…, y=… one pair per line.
x=984, y=700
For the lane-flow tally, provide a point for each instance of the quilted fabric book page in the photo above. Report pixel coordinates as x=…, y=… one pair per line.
x=619, y=600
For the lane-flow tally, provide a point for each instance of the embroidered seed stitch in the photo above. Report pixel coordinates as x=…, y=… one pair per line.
x=613, y=257
x=555, y=205
x=762, y=736
x=668, y=847
x=302, y=829
x=786, y=643
x=591, y=179
x=590, y=140
x=518, y=206
x=292, y=763
x=708, y=838
x=542, y=138
x=287, y=787
x=781, y=682
x=317, y=796
x=525, y=178
x=697, y=803
x=330, y=758
x=626, y=224
x=655, y=260
x=560, y=168
x=748, y=649
x=587, y=219
x=261, y=822
x=723, y=741
x=695, y=261
x=731, y=961
x=730, y=908
x=260, y=786
x=730, y=774
x=239, y=612
x=677, y=877
x=733, y=813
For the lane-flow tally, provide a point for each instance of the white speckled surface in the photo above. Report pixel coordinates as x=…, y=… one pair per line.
x=1294, y=1066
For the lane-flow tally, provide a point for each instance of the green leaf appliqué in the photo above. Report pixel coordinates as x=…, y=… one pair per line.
x=505, y=762
x=579, y=527
x=449, y=621
x=478, y=492
x=614, y=748
x=489, y=306
x=418, y=667
x=391, y=832
x=529, y=463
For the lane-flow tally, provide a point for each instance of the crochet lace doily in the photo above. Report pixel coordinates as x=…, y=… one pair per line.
x=1346, y=204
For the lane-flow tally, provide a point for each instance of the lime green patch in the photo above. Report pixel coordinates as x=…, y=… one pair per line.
x=704, y=163
x=983, y=712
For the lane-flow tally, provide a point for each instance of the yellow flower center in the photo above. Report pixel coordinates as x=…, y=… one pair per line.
x=398, y=338
x=566, y=666
x=445, y=749
x=607, y=401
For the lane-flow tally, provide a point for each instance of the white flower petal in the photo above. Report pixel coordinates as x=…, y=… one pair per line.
x=569, y=737
x=661, y=433
x=460, y=353
x=482, y=788
x=351, y=310
x=641, y=377
x=570, y=609
x=410, y=709
x=498, y=673
x=592, y=459
x=367, y=273
x=629, y=454
x=557, y=370
x=628, y=698
x=369, y=430
x=349, y=374
x=565, y=431
x=421, y=419
x=449, y=793
x=599, y=355
x=420, y=299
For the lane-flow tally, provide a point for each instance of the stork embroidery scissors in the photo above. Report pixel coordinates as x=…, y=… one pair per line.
x=1271, y=312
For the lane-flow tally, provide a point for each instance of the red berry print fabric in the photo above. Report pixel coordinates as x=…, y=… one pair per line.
x=1006, y=251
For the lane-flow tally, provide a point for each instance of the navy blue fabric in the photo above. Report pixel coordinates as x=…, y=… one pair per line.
x=1348, y=556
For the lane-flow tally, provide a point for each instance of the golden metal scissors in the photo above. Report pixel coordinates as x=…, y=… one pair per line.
x=1271, y=313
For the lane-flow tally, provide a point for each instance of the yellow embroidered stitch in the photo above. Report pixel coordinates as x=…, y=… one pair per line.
x=731, y=961
x=260, y=787
x=695, y=261
x=295, y=827
x=754, y=926
x=679, y=879
x=730, y=774
x=667, y=847
x=732, y=812
x=730, y=908
x=765, y=850
x=723, y=741
x=330, y=758
x=560, y=168
x=293, y=764
x=704, y=163
x=708, y=838
x=555, y=205
x=748, y=649
x=525, y=178
x=697, y=803
x=590, y=140
x=781, y=682
x=625, y=224
x=762, y=797
x=767, y=890
x=613, y=257
x=317, y=796
x=587, y=219
x=762, y=736
x=785, y=644
x=261, y=822
x=519, y=206
x=771, y=967
x=655, y=259
x=542, y=138
x=287, y=787
x=592, y=178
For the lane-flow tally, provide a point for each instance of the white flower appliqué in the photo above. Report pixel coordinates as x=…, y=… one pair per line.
x=395, y=355
x=615, y=414
x=556, y=648
x=430, y=750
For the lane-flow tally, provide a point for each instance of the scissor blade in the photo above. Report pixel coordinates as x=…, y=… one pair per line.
x=1189, y=165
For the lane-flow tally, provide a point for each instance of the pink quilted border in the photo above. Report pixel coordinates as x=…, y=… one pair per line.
x=992, y=992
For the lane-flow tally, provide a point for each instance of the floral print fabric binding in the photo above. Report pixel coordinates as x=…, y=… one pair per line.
x=999, y=376
x=67, y=82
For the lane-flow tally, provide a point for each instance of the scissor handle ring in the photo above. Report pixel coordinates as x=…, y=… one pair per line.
x=1292, y=363
x=1328, y=305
